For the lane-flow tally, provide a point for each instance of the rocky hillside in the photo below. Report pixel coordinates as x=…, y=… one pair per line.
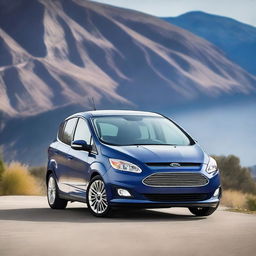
x=57, y=53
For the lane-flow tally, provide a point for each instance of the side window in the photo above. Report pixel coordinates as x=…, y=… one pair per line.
x=67, y=134
x=60, y=132
x=82, y=131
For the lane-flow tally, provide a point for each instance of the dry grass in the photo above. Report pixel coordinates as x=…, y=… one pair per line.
x=239, y=200
x=16, y=180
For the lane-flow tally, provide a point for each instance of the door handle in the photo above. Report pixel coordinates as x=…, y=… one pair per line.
x=70, y=157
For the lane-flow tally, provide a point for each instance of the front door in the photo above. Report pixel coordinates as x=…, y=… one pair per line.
x=62, y=156
x=80, y=162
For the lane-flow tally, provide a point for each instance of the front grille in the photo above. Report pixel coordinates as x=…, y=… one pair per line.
x=176, y=197
x=176, y=179
x=168, y=164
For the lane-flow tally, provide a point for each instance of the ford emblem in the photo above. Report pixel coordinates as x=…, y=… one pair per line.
x=174, y=164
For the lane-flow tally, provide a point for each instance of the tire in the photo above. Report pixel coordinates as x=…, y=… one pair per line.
x=202, y=211
x=97, y=200
x=54, y=201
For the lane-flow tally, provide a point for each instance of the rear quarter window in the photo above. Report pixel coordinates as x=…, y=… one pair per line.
x=60, y=131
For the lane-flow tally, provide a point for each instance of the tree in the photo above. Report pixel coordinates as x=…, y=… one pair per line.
x=233, y=175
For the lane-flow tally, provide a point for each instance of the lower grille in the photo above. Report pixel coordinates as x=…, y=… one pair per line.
x=176, y=179
x=176, y=197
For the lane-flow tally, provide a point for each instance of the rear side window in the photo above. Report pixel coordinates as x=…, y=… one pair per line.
x=82, y=131
x=67, y=135
x=60, y=132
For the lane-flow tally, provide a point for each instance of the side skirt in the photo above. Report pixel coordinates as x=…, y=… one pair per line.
x=72, y=198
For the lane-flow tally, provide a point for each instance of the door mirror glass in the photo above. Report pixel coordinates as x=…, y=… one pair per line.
x=80, y=145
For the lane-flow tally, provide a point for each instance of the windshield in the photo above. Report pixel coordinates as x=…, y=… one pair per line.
x=139, y=130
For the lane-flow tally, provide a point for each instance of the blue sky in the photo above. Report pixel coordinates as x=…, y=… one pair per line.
x=241, y=10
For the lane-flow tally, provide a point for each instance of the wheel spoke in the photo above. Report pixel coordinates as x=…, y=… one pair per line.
x=98, y=204
x=51, y=190
x=102, y=189
x=93, y=190
x=97, y=183
x=104, y=202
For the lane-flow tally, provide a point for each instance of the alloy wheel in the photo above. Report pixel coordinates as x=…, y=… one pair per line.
x=97, y=197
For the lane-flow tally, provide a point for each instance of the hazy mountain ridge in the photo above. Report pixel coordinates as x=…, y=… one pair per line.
x=236, y=39
x=61, y=52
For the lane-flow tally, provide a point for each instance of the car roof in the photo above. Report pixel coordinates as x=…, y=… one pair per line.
x=95, y=113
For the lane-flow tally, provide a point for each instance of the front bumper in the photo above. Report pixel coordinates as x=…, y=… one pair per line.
x=130, y=203
x=133, y=183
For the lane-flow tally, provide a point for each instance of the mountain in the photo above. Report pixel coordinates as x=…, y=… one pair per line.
x=55, y=55
x=236, y=39
x=58, y=53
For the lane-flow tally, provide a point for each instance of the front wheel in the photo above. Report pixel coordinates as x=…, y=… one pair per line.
x=202, y=211
x=97, y=197
x=52, y=195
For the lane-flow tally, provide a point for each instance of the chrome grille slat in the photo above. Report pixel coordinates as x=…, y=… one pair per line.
x=176, y=179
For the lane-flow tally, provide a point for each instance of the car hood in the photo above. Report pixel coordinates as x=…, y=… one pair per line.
x=158, y=153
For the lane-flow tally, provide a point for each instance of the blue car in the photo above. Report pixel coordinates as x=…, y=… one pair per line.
x=111, y=159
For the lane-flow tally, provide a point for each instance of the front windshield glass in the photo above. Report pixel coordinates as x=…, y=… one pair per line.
x=139, y=130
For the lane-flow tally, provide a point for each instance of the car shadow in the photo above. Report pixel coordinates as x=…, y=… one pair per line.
x=82, y=215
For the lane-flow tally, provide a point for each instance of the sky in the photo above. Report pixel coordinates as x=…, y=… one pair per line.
x=235, y=126
x=241, y=10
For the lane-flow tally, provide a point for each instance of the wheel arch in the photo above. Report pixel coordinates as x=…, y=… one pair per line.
x=52, y=165
x=94, y=174
x=97, y=169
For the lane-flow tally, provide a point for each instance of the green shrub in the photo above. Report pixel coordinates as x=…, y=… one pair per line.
x=251, y=203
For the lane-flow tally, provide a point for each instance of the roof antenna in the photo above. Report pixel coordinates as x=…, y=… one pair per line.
x=92, y=103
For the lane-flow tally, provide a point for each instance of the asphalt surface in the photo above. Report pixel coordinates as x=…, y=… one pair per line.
x=29, y=227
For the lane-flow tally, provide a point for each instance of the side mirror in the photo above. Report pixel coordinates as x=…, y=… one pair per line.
x=80, y=145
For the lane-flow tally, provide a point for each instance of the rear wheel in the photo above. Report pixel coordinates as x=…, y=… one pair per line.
x=97, y=197
x=52, y=195
x=202, y=211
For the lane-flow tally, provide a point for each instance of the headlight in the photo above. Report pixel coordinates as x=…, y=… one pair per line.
x=122, y=165
x=212, y=166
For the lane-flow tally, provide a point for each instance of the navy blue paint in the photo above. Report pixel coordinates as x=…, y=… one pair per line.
x=75, y=168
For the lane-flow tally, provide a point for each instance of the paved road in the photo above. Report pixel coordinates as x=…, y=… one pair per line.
x=29, y=227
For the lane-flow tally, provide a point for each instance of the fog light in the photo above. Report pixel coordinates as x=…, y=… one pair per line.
x=216, y=192
x=123, y=192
